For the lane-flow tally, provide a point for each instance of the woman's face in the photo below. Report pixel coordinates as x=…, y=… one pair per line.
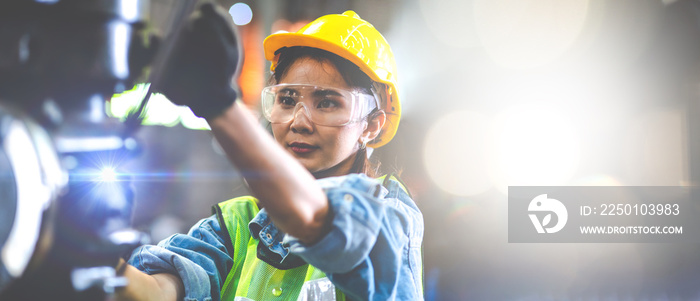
x=323, y=150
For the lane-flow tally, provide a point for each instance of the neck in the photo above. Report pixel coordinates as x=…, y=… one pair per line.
x=351, y=164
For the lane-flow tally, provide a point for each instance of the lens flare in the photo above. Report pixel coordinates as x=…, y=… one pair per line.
x=107, y=174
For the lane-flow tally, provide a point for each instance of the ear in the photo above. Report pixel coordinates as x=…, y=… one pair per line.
x=374, y=126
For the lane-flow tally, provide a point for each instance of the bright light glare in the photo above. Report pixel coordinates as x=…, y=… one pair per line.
x=523, y=34
x=120, y=37
x=120, y=104
x=241, y=13
x=107, y=174
x=32, y=198
x=158, y=111
x=161, y=111
x=535, y=146
x=191, y=121
x=129, y=9
x=450, y=21
x=598, y=180
x=456, y=151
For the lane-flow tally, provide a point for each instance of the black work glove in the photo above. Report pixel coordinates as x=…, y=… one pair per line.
x=203, y=65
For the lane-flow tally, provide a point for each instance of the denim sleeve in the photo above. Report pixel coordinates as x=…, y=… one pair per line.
x=372, y=251
x=200, y=258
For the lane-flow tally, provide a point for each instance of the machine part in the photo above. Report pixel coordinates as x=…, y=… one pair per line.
x=70, y=52
x=32, y=180
x=59, y=61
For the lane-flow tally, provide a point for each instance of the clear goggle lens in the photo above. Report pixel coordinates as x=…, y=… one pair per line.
x=322, y=105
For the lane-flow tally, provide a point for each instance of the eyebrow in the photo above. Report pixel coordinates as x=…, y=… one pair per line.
x=288, y=90
x=325, y=92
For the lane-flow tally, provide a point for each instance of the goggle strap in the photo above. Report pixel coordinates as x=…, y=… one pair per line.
x=378, y=95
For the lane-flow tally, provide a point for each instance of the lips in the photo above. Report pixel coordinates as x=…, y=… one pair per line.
x=302, y=148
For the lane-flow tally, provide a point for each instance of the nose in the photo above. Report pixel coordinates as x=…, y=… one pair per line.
x=301, y=122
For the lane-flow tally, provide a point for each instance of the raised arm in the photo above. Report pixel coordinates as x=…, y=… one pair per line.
x=283, y=186
x=199, y=74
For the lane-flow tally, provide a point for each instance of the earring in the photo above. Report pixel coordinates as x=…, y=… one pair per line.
x=363, y=145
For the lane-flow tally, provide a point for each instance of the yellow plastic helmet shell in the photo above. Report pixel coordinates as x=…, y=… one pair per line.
x=356, y=40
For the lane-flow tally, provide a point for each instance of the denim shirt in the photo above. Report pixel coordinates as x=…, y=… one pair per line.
x=372, y=252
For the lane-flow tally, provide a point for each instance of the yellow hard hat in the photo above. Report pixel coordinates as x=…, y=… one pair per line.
x=356, y=40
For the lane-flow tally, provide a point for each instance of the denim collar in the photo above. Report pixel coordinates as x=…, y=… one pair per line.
x=271, y=248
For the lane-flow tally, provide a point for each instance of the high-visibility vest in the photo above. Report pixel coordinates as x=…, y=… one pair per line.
x=253, y=279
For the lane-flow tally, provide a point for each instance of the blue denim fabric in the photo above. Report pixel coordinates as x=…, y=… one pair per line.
x=262, y=229
x=371, y=253
x=200, y=259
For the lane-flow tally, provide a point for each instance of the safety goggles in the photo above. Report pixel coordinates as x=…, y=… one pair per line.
x=322, y=105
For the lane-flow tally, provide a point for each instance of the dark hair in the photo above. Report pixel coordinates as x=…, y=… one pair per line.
x=353, y=76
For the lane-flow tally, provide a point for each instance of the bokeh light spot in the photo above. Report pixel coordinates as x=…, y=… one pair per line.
x=241, y=13
x=523, y=34
x=450, y=21
x=454, y=153
x=534, y=146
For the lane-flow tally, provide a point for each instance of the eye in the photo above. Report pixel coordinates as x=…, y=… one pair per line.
x=327, y=104
x=286, y=101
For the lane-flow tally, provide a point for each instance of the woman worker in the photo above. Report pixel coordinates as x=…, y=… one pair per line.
x=319, y=226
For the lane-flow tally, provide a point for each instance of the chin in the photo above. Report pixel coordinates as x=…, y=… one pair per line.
x=311, y=168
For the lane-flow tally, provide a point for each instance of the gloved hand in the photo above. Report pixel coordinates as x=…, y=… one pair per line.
x=203, y=65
